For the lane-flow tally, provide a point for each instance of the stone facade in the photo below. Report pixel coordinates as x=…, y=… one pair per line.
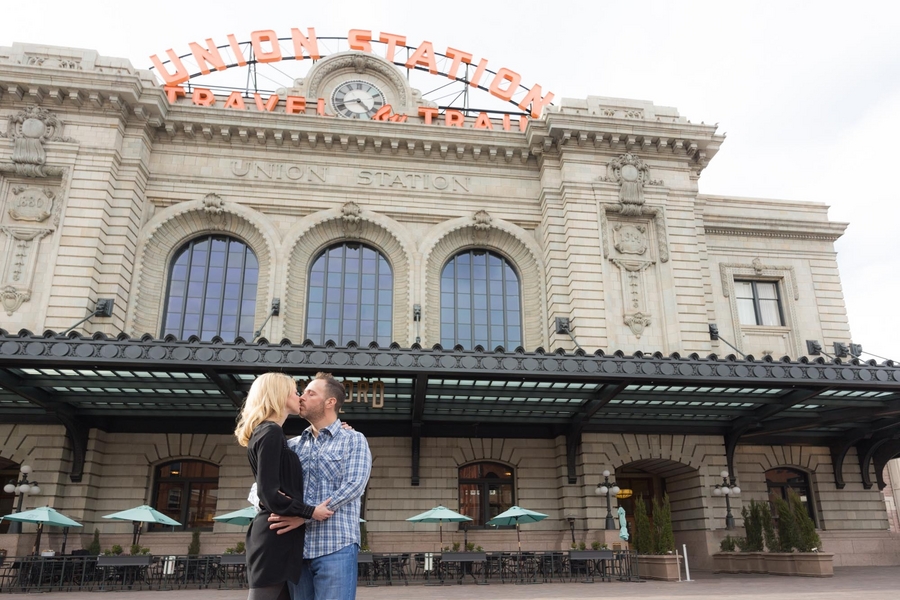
x=596, y=204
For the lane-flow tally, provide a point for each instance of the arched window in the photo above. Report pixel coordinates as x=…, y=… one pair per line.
x=351, y=296
x=486, y=489
x=212, y=290
x=480, y=302
x=779, y=481
x=187, y=491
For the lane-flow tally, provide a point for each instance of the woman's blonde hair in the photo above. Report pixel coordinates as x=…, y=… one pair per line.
x=265, y=402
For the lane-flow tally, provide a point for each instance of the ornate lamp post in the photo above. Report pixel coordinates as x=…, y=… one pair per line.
x=20, y=488
x=610, y=489
x=727, y=488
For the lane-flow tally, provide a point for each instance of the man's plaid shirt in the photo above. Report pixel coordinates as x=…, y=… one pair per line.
x=336, y=465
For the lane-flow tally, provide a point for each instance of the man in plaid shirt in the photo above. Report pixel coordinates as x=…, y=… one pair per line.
x=336, y=465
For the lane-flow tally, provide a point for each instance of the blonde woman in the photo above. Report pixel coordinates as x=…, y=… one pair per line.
x=273, y=559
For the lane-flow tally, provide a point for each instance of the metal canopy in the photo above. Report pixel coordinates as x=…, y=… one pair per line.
x=151, y=385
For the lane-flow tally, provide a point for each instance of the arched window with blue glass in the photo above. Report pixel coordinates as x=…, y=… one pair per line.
x=211, y=289
x=351, y=296
x=481, y=301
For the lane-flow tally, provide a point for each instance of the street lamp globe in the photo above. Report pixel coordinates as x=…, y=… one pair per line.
x=615, y=490
x=717, y=491
x=724, y=474
x=606, y=473
x=735, y=490
x=24, y=488
x=601, y=490
x=35, y=490
x=9, y=488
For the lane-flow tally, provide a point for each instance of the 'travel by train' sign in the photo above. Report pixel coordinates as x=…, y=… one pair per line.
x=265, y=47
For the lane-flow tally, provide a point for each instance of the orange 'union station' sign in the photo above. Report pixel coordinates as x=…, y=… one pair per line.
x=266, y=49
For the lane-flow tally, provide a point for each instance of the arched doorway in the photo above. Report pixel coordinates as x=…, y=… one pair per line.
x=651, y=479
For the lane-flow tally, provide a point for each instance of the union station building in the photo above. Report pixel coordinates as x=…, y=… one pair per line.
x=517, y=302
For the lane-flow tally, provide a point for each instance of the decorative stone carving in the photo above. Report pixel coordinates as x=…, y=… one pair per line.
x=481, y=231
x=637, y=322
x=52, y=62
x=634, y=293
x=630, y=239
x=214, y=208
x=18, y=269
x=31, y=204
x=659, y=220
x=631, y=173
x=29, y=129
x=351, y=221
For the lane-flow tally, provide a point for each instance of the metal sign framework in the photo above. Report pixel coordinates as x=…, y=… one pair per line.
x=460, y=97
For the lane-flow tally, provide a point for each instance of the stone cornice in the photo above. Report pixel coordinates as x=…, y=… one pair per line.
x=127, y=94
x=235, y=126
x=773, y=228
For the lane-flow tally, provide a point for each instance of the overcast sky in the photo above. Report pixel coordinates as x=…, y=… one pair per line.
x=808, y=92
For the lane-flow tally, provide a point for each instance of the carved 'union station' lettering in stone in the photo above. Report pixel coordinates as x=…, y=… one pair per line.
x=277, y=171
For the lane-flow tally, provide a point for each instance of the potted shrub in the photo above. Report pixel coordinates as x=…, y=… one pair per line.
x=723, y=560
x=94, y=548
x=754, y=538
x=780, y=560
x=741, y=559
x=194, y=547
x=655, y=543
x=809, y=560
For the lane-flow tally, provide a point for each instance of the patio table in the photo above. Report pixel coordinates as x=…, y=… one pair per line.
x=464, y=561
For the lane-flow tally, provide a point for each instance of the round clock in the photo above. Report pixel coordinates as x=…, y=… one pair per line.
x=357, y=99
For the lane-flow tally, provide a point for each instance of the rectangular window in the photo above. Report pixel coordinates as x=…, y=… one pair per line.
x=758, y=303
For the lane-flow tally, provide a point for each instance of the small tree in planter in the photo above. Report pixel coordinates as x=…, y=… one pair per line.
x=647, y=541
x=94, y=548
x=768, y=527
x=643, y=533
x=780, y=561
x=194, y=548
x=662, y=522
x=809, y=562
x=754, y=543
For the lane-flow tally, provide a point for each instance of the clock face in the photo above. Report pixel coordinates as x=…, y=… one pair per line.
x=357, y=99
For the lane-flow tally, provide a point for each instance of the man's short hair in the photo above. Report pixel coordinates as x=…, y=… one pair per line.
x=333, y=389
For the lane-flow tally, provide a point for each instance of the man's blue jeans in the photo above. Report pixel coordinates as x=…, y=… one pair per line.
x=329, y=577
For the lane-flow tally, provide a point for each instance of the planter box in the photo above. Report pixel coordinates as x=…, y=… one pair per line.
x=723, y=562
x=780, y=563
x=811, y=564
x=740, y=562
x=664, y=568
x=757, y=562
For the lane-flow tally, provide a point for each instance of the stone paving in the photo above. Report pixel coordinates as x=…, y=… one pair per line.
x=870, y=583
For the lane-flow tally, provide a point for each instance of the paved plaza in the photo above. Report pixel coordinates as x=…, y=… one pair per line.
x=871, y=583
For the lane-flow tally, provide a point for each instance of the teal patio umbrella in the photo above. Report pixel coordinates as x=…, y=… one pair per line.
x=141, y=514
x=239, y=517
x=516, y=515
x=42, y=515
x=439, y=514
